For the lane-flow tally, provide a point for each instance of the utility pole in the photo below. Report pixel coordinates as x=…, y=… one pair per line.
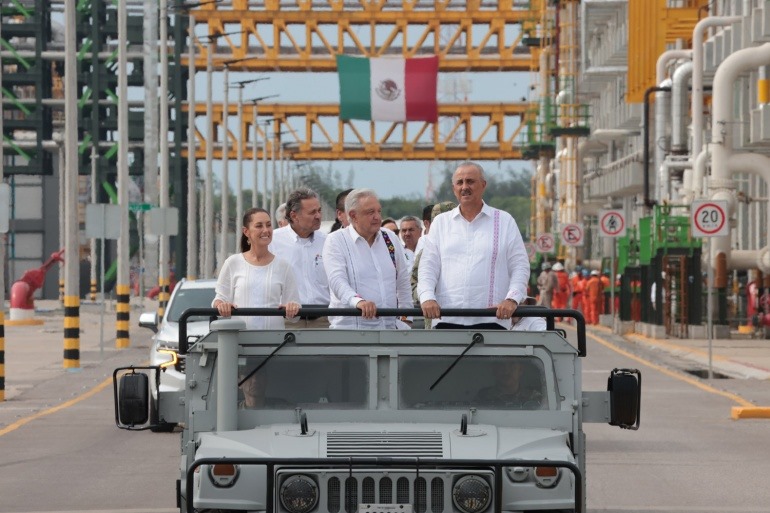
x=208, y=205
x=122, y=287
x=225, y=207
x=163, y=246
x=70, y=207
x=192, y=172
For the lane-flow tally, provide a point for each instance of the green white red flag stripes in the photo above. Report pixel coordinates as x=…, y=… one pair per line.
x=388, y=88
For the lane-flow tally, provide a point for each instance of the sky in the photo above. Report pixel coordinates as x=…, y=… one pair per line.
x=388, y=178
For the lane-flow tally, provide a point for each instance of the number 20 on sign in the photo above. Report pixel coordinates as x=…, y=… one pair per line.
x=708, y=218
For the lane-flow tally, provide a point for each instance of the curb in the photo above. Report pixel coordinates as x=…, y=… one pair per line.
x=758, y=412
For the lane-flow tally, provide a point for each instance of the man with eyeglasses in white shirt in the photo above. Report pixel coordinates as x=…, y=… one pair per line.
x=301, y=243
x=366, y=267
x=474, y=257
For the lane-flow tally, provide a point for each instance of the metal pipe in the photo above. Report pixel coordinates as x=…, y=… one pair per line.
x=698, y=35
x=679, y=107
x=648, y=202
x=662, y=115
x=255, y=161
x=122, y=286
x=721, y=181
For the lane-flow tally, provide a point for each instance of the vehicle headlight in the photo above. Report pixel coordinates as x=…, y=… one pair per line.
x=471, y=494
x=299, y=494
x=172, y=356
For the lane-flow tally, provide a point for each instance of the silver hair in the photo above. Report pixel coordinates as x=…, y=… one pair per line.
x=411, y=218
x=351, y=202
x=468, y=163
x=294, y=201
x=280, y=212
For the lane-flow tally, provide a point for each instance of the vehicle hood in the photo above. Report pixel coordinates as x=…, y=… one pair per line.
x=408, y=441
x=169, y=331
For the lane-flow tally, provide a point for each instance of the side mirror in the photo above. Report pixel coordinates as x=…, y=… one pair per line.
x=149, y=320
x=133, y=398
x=625, y=388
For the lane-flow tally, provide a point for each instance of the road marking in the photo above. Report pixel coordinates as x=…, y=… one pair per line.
x=692, y=381
x=26, y=420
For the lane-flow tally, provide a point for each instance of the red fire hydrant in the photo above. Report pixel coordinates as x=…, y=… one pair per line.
x=22, y=302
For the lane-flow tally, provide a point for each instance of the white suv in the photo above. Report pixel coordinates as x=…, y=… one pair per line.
x=165, y=346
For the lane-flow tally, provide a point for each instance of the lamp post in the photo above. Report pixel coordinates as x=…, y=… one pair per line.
x=243, y=137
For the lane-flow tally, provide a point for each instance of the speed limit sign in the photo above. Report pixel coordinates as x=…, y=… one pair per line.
x=708, y=218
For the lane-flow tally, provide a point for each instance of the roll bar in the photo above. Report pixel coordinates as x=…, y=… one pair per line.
x=319, y=311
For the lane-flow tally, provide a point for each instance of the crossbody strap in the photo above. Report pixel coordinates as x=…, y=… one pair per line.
x=391, y=248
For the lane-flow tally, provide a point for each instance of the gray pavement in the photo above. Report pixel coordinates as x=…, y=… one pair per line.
x=35, y=378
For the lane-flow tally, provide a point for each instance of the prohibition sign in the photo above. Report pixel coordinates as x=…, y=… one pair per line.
x=544, y=243
x=612, y=223
x=709, y=219
x=572, y=234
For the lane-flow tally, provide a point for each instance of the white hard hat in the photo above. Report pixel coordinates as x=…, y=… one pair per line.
x=558, y=267
x=594, y=273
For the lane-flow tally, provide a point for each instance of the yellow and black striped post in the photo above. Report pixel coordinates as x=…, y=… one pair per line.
x=61, y=289
x=71, y=332
x=92, y=295
x=163, y=296
x=2, y=355
x=121, y=324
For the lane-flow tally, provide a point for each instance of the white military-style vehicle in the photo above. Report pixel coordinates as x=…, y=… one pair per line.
x=399, y=421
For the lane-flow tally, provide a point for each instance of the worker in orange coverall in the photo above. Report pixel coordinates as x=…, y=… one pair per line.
x=577, y=283
x=561, y=294
x=593, y=297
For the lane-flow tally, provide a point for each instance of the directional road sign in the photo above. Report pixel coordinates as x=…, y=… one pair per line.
x=612, y=223
x=708, y=218
x=572, y=234
x=545, y=243
x=164, y=221
x=102, y=221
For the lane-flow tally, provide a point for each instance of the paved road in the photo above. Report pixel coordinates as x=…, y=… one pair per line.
x=60, y=450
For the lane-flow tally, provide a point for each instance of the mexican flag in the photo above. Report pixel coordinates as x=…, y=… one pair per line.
x=388, y=88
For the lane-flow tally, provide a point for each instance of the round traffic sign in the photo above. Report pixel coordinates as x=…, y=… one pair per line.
x=612, y=223
x=710, y=219
x=544, y=243
x=572, y=234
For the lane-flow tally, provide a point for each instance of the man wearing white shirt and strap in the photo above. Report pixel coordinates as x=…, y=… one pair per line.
x=366, y=267
x=474, y=257
x=301, y=244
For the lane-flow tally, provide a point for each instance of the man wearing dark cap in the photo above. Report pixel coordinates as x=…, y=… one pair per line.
x=474, y=257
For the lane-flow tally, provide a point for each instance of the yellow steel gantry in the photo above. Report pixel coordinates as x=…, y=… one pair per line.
x=306, y=35
x=295, y=35
x=306, y=135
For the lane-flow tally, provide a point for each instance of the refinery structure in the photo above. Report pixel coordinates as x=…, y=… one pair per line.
x=639, y=107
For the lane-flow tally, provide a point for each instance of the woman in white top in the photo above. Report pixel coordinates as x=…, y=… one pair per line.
x=255, y=278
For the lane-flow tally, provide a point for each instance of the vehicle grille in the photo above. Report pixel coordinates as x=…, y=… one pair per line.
x=427, y=495
x=393, y=444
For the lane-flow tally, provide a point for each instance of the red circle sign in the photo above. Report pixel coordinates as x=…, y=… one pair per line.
x=612, y=224
x=710, y=218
